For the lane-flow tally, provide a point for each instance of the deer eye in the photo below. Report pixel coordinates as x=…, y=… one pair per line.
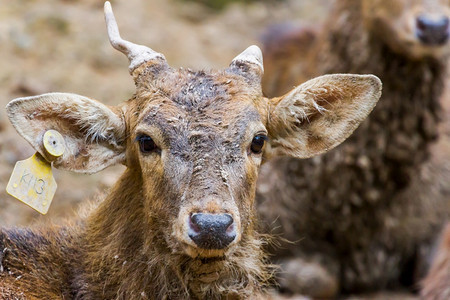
x=146, y=144
x=258, y=143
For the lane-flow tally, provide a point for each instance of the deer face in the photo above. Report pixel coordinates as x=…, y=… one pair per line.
x=417, y=28
x=198, y=138
x=194, y=141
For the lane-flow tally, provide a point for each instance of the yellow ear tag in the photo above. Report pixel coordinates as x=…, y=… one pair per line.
x=32, y=180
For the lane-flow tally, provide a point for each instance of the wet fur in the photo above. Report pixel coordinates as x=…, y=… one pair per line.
x=136, y=243
x=368, y=211
x=436, y=286
x=106, y=254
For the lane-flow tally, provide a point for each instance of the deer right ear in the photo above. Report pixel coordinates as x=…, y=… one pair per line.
x=320, y=114
x=94, y=134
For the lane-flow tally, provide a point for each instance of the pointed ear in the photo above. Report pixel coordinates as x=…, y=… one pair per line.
x=94, y=134
x=320, y=114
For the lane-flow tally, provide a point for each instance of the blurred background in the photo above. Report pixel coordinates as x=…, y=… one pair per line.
x=62, y=46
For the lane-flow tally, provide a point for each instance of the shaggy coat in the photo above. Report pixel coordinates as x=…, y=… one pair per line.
x=360, y=214
x=180, y=222
x=436, y=286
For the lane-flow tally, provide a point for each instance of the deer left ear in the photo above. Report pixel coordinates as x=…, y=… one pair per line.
x=320, y=114
x=94, y=134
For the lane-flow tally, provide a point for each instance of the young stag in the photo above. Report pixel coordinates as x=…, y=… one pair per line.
x=180, y=222
x=366, y=213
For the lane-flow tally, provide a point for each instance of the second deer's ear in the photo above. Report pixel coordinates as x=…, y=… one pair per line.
x=320, y=114
x=94, y=134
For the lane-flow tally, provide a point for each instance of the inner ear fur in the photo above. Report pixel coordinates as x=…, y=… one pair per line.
x=94, y=134
x=320, y=114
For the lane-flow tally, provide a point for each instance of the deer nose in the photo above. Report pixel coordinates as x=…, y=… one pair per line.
x=211, y=231
x=432, y=31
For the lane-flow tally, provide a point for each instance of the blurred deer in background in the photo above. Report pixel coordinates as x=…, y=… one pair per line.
x=365, y=214
x=436, y=286
x=180, y=222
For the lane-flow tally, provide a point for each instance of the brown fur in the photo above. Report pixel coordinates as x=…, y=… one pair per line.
x=363, y=212
x=111, y=250
x=136, y=243
x=436, y=286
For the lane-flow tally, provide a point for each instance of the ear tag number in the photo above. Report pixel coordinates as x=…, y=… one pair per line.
x=32, y=180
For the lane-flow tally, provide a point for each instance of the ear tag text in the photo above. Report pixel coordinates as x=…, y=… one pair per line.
x=32, y=179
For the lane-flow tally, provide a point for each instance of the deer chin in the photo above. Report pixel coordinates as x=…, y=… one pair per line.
x=208, y=270
x=208, y=265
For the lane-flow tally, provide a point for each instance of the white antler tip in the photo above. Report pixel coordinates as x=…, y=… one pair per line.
x=255, y=50
x=252, y=54
x=107, y=7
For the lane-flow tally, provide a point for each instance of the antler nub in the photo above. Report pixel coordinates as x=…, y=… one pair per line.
x=137, y=54
x=252, y=55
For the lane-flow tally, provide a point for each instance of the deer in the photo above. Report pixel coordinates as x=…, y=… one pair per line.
x=364, y=216
x=181, y=220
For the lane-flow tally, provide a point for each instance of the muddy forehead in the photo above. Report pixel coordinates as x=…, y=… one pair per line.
x=201, y=89
x=200, y=108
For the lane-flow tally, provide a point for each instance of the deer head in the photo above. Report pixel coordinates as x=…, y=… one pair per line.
x=418, y=28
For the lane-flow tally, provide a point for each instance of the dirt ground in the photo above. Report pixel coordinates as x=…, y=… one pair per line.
x=61, y=45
